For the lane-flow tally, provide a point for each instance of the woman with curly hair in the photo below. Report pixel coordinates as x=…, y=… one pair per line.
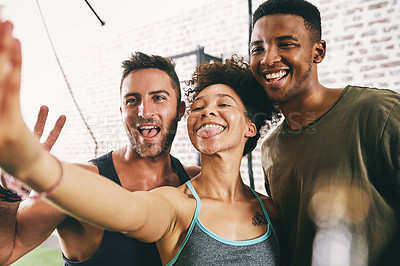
x=213, y=219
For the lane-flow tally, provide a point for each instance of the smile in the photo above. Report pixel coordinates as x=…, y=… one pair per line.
x=209, y=130
x=276, y=76
x=148, y=131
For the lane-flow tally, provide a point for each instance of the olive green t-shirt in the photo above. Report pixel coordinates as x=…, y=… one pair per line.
x=337, y=179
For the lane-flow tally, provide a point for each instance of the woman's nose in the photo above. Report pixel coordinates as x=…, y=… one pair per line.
x=208, y=112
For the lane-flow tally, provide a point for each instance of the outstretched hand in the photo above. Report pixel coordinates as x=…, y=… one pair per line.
x=19, y=148
x=8, y=181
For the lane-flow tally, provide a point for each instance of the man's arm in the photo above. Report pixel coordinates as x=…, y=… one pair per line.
x=390, y=147
x=25, y=226
x=33, y=224
x=8, y=212
x=276, y=220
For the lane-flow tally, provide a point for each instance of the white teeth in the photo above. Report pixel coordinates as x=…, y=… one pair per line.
x=148, y=127
x=213, y=125
x=275, y=75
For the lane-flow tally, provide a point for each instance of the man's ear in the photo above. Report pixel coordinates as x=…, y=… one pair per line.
x=319, y=51
x=181, y=109
x=251, y=130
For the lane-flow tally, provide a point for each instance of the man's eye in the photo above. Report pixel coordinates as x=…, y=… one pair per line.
x=131, y=101
x=255, y=50
x=224, y=105
x=159, y=97
x=288, y=45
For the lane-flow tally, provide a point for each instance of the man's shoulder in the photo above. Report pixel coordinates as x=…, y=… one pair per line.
x=367, y=94
x=103, y=158
x=88, y=166
x=368, y=101
x=273, y=133
x=92, y=165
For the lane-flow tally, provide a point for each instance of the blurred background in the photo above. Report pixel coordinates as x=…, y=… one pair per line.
x=363, y=48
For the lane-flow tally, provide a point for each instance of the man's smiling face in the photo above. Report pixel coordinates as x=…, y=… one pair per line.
x=149, y=109
x=281, y=56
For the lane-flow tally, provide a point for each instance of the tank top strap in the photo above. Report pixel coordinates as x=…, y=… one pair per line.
x=192, y=224
x=106, y=167
x=179, y=169
x=270, y=227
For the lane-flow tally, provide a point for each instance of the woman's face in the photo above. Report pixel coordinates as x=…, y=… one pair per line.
x=217, y=121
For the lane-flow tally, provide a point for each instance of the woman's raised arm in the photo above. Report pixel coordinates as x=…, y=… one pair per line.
x=76, y=191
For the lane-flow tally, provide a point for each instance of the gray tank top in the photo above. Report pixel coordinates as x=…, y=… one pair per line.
x=203, y=247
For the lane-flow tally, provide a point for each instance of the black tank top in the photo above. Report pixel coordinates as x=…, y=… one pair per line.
x=116, y=248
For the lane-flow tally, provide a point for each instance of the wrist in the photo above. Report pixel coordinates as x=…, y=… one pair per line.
x=35, y=179
x=49, y=191
x=31, y=155
x=43, y=182
x=19, y=153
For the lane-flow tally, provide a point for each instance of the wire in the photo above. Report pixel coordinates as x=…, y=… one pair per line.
x=249, y=155
x=66, y=81
x=101, y=21
x=250, y=5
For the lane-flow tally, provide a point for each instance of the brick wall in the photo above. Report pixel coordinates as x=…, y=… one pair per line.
x=363, y=48
x=363, y=43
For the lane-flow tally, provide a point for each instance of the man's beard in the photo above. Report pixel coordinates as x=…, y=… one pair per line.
x=154, y=150
x=293, y=91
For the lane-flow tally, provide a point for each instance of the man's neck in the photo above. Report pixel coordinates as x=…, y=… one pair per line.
x=309, y=107
x=137, y=173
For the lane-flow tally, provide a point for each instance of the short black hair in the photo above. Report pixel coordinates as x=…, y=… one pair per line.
x=301, y=8
x=236, y=73
x=140, y=60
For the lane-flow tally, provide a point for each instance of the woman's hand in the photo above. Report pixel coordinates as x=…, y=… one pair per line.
x=8, y=181
x=19, y=148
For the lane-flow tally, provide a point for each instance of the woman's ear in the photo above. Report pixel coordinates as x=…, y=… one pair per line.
x=251, y=130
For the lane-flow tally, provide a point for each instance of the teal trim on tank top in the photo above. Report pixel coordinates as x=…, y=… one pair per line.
x=192, y=223
x=215, y=236
x=239, y=242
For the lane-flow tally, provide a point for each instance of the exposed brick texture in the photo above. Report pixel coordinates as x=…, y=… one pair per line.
x=372, y=54
x=363, y=43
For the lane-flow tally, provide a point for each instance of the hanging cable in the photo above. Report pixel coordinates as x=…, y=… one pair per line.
x=66, y=81
x=249, y=155
x=250, y=23
x=101, y=21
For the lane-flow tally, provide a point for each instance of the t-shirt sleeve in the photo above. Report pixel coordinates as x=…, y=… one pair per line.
x=390, y=144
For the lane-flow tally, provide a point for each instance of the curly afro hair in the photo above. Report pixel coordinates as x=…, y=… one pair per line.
x=236, y=73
